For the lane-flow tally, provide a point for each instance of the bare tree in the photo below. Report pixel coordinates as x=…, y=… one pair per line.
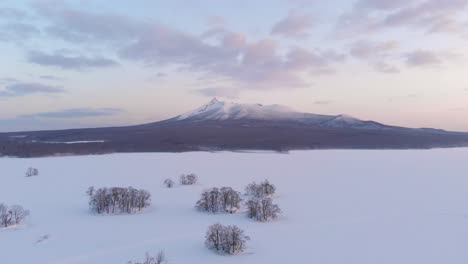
x=192, y=179
x=90, y=191
x=189, y=179
x=12, y=216
x=160, y=258
x=230, y=199
x=226, y=239
x=183, y=179
x=217, y=200
x=18, y=213
x=262, y=209
x=210, y=201
x=5, y=218
x=169, y=183
x=264, y=189
x=32, y=172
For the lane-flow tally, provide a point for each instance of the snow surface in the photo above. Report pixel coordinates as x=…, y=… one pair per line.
x=340, y=207
x=72, y=142
x=217, y=110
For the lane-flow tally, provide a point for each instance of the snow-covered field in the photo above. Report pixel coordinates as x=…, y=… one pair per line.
x=340, y=207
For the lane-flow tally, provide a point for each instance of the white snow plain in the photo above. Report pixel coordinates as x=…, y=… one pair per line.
x=339, y=206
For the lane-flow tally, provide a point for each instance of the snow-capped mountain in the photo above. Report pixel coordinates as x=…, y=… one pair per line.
x=221, y=125
x=217, y=110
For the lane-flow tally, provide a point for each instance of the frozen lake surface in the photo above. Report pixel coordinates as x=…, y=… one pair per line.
x=339, y=207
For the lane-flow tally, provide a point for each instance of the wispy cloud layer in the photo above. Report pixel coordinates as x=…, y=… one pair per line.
x=226, y=92
x=69, y=62
x=256, y=64
x=429, y=16
x=22, y=89
x=293, y=26
x=76, y=113
x=430, y=58
x=377, y=54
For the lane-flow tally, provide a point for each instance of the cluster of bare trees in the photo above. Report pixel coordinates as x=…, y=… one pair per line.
x=184, y=179
x=118, y=200
x=262, y=189
x=32, y=172
x=226, y=239
x=262, y=209
x=217, y=200
x=188, y=179
x=160, y=258
x=12, y=215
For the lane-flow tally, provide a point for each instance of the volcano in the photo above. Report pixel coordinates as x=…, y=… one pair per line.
x=228, y=126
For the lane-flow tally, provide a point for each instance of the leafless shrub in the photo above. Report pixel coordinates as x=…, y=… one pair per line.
x=160, y=258
x=188, y=179
x=262, y=209
x=264, y=189
x=226, y=239
x=32, y=172
x=169, y=183
x=13, y=215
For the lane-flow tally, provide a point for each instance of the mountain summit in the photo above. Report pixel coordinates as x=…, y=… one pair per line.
x=219, y=110
x=216, y=110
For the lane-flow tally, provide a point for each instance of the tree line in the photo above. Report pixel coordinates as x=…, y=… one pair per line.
x=118, y=200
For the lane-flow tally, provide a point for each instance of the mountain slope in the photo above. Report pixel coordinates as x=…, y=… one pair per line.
x=217, y=110
x=231, y=126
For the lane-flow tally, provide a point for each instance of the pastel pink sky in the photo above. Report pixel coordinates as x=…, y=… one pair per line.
x=94, y=63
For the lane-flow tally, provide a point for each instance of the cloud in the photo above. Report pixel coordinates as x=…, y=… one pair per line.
x=385, y=67
x=76, y=113
x=323, y=102
x=12, y=13
x=22, y=89
x=76, y=25
x=293, y=26
x=383, y=4
x=8, y=80
x=258, y=63
x=376, y=54
x=69, y=62
x=423, y=58
x=217, y=21
x=18, y=32
x=51, y=77
x=365, y=49
x=428, y=16
x=248, y=64
x=226, y=92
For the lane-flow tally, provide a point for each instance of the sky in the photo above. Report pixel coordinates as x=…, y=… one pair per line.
x=92, y=63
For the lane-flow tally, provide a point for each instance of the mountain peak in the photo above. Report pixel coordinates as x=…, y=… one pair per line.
x=216, y=110
x=220, y=110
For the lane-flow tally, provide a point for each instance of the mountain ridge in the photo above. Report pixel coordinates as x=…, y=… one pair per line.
x=230, y=126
